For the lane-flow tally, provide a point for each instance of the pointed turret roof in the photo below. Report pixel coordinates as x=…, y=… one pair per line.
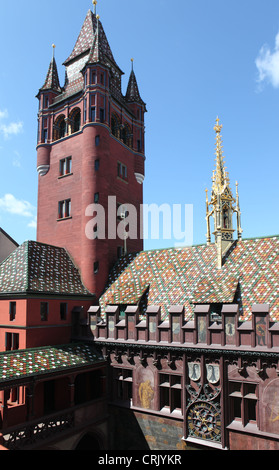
x=132, y=93
x=87, y=39
x=52, y=78
x=97, y=51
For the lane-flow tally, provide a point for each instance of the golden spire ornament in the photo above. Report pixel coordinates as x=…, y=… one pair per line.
x=222, y=205
x=95, y=5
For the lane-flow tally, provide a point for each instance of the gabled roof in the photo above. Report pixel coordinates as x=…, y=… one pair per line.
x=38, y=268
x=250, y=275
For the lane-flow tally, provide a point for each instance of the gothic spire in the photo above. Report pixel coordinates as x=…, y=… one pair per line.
x=132, y=93
x=52, y=78
x=220, y=177
x=223, y=204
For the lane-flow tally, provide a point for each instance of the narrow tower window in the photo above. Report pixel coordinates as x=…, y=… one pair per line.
x=64, y=209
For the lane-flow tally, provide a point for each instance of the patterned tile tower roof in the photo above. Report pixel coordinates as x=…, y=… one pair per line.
x=186, y=276
x=52, y=78
x=86, y=38
x=133, y=94
x=35, y=267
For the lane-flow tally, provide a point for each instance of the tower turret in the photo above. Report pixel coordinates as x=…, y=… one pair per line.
x=93, y=154
x=46, y=96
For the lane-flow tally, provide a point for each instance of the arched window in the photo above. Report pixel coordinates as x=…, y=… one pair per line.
x=127, y=136
x=115, y=127
x=62, y=129
x=75, y=120
x=59, y=128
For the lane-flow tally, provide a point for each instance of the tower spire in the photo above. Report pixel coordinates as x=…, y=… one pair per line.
x=222, y=202
x=52, y=78
x=95, y=6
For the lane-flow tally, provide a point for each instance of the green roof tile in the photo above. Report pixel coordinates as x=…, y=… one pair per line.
x=38, y=268
x=37, y=361
x=189, y=275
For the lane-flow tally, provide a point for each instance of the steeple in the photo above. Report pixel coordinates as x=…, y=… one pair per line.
x=86, y=40
x=223, y=203
x=52, y=78
x=132, y=93
x=97, y=53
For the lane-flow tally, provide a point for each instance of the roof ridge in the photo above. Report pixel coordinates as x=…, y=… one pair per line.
x=27, y=283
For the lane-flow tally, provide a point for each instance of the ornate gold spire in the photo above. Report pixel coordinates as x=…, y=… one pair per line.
x=220, y=176
x=223, y=205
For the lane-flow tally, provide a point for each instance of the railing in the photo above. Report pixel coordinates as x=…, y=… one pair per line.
x=28, y=435
x=32, y=433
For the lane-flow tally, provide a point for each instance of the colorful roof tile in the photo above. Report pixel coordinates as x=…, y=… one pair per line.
x=37, y=361
x=86, y=38
x=218, y=288
x=133, y=94
x=35, y=267
x=52, y=78
x=185, y=276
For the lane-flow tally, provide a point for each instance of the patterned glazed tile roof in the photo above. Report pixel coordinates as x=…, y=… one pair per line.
x=219, y=288
x=86, y=38
x=133, y=94
x=52, y=78
x=35, y=267
x=37, y=361
x=188, y=275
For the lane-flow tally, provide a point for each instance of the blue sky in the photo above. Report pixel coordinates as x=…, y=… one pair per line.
x=194, y=60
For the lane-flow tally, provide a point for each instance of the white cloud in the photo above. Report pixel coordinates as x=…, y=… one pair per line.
x=13, y=128
x=33, y=223
x=10, y=204
x=3, y=113
x=267, y=64
x=8, y=129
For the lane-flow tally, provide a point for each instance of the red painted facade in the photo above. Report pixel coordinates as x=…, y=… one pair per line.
x=28, y=330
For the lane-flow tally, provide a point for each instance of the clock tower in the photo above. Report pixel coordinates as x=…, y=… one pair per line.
x=90, y=155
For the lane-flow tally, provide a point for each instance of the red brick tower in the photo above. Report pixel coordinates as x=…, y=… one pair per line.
x=90, y=147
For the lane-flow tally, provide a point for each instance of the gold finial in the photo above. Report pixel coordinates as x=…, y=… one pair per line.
x=94, y=3
x=98, y=17
x=132, y=62
x=217, y=127
x=53, y=49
